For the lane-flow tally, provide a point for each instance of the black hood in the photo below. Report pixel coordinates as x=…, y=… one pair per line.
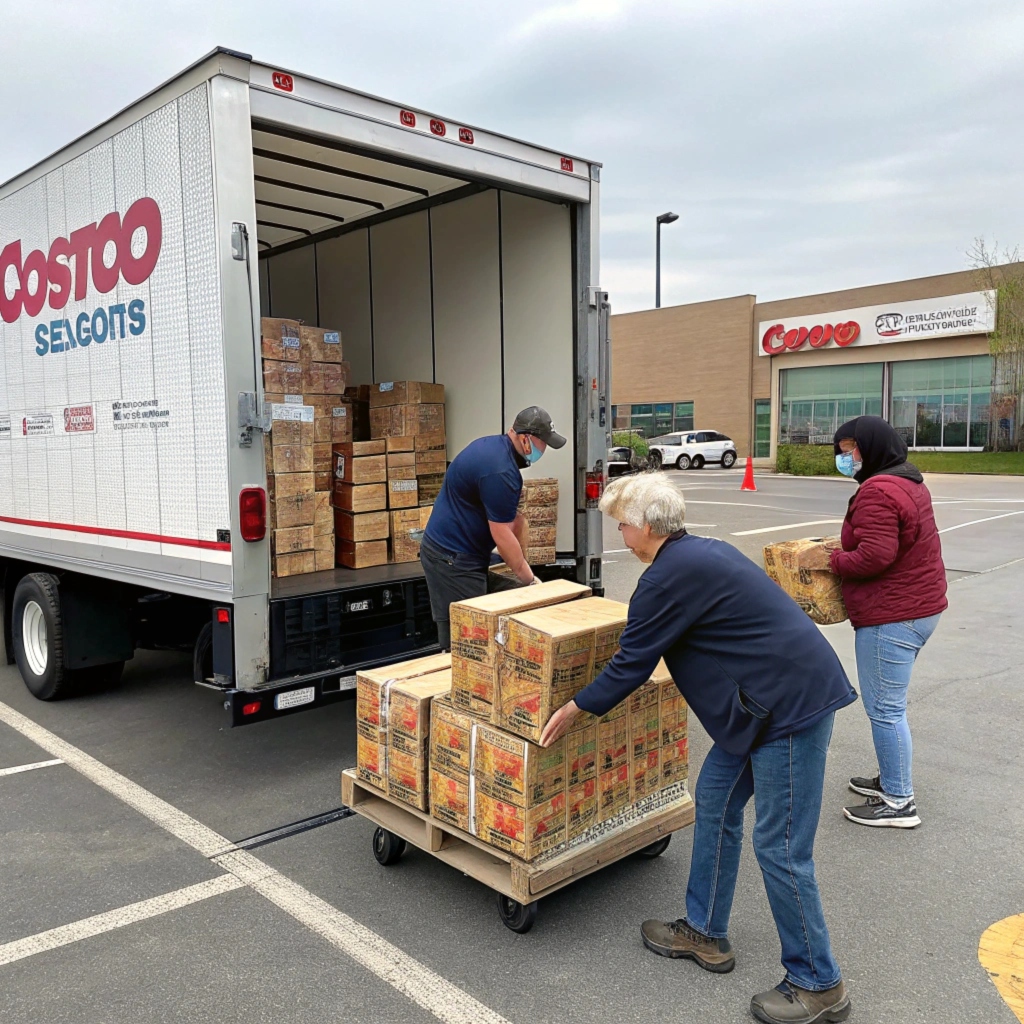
x=881, y=448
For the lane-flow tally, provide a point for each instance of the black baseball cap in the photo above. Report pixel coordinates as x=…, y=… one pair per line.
x=535, y=420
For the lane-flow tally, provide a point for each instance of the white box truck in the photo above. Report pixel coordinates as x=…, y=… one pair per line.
x=135, y=265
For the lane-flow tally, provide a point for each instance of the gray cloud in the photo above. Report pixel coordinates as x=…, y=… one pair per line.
x=807, y=146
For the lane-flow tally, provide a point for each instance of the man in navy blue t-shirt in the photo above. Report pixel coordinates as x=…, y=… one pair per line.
x=477, y=511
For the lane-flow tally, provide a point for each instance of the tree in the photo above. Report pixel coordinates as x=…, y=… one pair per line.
x=1003, y=274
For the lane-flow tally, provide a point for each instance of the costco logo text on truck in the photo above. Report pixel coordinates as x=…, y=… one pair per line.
x=117, y=247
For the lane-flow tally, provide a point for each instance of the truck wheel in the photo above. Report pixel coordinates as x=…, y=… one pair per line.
x=519, y=917
x=387, y=847
x=657, y=848
x=683, y=462
x=38, y=631
x=202, y=654
x=728, y=460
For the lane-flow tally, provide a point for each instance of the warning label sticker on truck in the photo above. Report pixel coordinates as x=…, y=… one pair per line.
x=37, y=424
x=79, y=419
x=140, y=415
x=5, y=427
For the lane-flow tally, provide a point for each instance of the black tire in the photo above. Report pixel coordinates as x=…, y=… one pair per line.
x=38, y=594
x=654, y=459
x=683, y=462
x=387, y=847
x=656, y=849
x=518, y=917
x=202, y=654
x=698, y=462
x=728, y=460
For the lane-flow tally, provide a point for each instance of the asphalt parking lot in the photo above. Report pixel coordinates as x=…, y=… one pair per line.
x=153, y=782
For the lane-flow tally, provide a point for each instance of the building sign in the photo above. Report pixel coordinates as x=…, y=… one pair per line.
x=946, y=317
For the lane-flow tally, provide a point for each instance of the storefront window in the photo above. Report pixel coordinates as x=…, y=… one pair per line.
x=817, y=399
x=942, y=403
x=655, y=419
x=762, y=428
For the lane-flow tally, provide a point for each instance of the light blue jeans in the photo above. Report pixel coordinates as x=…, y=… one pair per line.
x=885, y=658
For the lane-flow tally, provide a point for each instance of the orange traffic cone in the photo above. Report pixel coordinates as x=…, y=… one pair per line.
x=748, y=477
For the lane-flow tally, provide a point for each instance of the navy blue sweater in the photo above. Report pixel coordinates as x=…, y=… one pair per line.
x=750, y=663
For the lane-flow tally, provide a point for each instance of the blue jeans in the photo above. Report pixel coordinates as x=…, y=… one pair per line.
x=785, y=777
x=885, y=658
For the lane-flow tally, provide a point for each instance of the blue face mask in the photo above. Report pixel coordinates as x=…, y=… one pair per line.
x=846, y=465
x=534, y=456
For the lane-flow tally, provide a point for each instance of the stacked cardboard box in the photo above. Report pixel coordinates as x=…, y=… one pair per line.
x=374, y=690
x=360, y=503
x=407, y=416
x=539, y=505
x=303, y=367
x=801, y=568
x=290, y=474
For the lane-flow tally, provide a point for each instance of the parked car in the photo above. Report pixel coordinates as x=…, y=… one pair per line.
x=619, y=460
x=694, y=448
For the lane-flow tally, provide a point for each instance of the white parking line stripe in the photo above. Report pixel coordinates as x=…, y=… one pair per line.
x=29, y=767
x=785, y=526
x=440, y=997
x=112, y=919
x=987, y=519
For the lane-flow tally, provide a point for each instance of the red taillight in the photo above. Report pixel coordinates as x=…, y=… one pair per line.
x=595, y=488
x=251, y=708
x=252, y=513
x=223, y=615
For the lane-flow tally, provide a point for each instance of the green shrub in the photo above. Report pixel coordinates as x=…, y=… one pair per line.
x=806, y=460
x=631, y=439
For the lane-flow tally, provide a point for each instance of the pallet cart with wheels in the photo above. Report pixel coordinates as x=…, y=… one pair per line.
x=520, y=884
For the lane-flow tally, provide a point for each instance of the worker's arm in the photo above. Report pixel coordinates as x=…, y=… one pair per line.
x=511, y=551
x=521, y=528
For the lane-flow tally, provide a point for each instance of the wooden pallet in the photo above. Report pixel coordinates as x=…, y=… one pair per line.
x=515, y=878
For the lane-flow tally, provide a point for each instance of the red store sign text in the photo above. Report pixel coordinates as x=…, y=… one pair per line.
x=777, y=339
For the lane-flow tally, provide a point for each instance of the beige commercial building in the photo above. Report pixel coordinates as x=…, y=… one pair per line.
x=790, y=371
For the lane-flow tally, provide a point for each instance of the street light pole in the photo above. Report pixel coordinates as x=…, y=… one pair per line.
x=665, y=218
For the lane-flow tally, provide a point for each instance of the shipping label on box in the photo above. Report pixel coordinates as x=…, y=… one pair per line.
x=274, y=329
x=473, y=686
x=450, y=731
x=449, y=799
x=475, y=622
x=402, y=493
x=524, y=833
x=582, y=802
x=544, y=664
x=512, y=769
x=613, y=792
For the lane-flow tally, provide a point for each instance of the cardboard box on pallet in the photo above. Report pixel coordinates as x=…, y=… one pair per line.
x=541, y=537
x=613, y=739
x=613, y=792
x=449, y=799
x=324, y=378
x=409, y=735
x=406, y=420
x=675, y=763
x=323, y=514
x=524, y=833
x=361, y=554
x=290, y=539
x=402, y=493
x=582, y=807
x=581, y=751
x=800, y=567
x=282, y=377
x=292, y=501
x=405, y=392
x=360, y=526
x=358, y=469
x=473, y=686
x=450, y=731
x=609, y=618
x=322, y=460
x=292, y=458
x=548, y=656
x=540, y=556
x=539, y=516
x=294, y=564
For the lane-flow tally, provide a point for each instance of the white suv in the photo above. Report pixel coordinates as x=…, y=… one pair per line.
x=692, y=448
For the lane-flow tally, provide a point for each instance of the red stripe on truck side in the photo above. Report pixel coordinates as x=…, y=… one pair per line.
x=157, y=538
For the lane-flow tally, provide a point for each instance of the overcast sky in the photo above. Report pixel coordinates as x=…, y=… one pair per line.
x=807, y=145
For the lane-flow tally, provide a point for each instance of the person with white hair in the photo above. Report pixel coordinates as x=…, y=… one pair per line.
x=765, y=684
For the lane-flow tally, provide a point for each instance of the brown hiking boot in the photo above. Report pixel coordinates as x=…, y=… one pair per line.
x=677, y=939
x=788, y=1004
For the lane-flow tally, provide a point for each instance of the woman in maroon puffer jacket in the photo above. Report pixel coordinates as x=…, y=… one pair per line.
x=894, y=586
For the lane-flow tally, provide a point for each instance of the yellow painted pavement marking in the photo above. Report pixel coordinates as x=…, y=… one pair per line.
x=1001, y=952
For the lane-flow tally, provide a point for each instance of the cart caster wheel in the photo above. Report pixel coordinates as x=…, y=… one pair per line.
x=656, y=849
x=517, y=916
x=387, y=847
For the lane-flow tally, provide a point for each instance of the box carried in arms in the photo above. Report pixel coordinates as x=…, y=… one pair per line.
x=800, y=567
